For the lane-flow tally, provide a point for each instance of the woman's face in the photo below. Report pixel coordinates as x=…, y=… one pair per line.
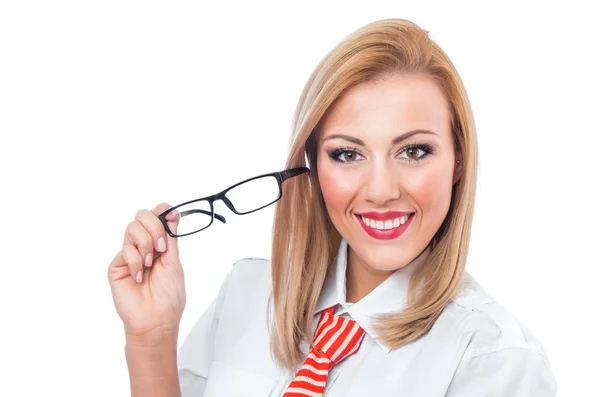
x=386, y=166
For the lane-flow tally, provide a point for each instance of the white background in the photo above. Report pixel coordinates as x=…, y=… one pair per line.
x=108, y=107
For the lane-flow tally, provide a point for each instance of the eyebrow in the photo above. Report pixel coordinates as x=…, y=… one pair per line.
x=396, y=140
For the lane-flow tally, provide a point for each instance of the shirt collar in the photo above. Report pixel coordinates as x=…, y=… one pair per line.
x=387, y=297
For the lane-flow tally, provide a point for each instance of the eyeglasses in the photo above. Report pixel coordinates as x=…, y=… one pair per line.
x=242, y=198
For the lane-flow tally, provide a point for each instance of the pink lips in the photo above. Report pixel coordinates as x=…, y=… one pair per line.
x=383, y=216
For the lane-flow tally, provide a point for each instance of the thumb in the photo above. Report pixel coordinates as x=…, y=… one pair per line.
x=172, y=252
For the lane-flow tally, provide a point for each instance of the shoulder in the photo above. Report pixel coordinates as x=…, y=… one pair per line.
x=251, y=274
x=492, y=327
x=252, y=266
x=497, y=350
x=241, y=300
x=249, y=286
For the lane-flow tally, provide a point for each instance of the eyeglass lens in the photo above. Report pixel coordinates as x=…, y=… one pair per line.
x=247, y=197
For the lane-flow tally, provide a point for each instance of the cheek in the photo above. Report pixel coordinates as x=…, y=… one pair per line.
x=338, y=191
x=432, y=192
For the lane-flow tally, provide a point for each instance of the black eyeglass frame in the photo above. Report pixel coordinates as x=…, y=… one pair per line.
x=280, y=176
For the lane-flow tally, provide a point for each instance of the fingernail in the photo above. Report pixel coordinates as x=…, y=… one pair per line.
x=173, y=215
x=138, y=277
x=162, y=247
x=148, y=260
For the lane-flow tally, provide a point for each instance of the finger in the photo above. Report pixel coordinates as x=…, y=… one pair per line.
x=139, y=237
x=172, y=252
x=172, y=216
x=133, y=259
x=154, y=227
x=117, y=269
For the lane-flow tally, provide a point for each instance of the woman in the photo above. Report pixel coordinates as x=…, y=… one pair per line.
x=366, y=291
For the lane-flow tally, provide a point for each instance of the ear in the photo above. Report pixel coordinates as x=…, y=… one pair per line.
x=458, y=168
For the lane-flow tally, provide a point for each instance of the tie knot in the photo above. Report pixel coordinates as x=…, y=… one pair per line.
x=336, y=337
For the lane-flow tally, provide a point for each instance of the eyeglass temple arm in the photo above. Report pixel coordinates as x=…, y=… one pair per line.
x=293, y=172
x=189, y=212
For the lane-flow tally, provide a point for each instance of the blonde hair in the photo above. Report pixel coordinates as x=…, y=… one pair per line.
x=305, y=242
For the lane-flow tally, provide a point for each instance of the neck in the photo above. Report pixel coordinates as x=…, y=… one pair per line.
x=361, y=278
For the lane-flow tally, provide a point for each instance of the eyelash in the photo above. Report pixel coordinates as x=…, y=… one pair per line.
x=427, y=149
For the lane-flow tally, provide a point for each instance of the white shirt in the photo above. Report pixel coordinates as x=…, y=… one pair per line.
x=476, y=347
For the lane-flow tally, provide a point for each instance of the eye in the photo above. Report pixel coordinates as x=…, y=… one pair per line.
x=344, y=155
x=415, y=152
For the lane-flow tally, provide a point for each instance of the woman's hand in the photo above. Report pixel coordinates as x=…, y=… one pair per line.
x=146, y=278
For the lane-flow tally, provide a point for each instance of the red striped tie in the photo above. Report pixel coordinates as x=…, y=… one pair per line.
x=335, y=339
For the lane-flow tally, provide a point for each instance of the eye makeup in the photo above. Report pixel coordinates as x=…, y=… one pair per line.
x=425, y=149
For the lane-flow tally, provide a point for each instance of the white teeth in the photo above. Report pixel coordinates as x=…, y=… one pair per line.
x=389, y=224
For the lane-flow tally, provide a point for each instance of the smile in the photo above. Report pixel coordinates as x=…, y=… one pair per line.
x=388, y=229
x=385, y=225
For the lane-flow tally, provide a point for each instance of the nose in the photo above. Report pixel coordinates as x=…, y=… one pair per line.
x=381, y=185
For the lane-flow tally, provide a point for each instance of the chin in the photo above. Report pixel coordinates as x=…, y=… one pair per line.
x=385, y=259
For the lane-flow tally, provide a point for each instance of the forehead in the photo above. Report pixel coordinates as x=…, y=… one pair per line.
x=389, y=106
